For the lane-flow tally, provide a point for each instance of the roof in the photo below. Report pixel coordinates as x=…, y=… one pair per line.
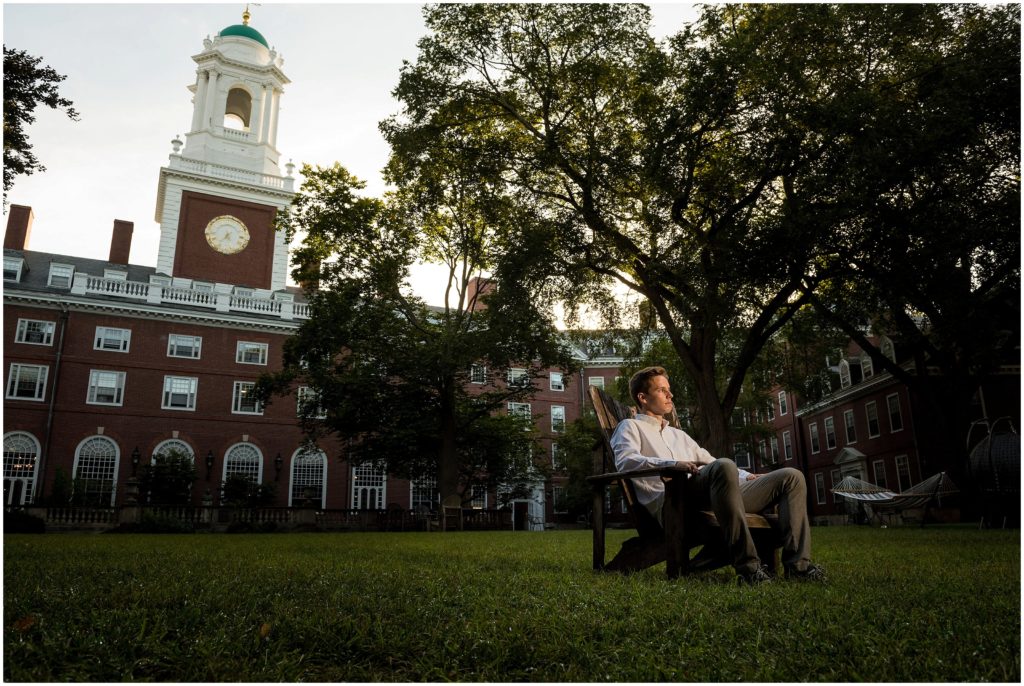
x=245, y=31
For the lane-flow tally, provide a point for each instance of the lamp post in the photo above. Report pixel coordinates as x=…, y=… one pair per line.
x=136, y=457
x=278, y=463
x=209, y=464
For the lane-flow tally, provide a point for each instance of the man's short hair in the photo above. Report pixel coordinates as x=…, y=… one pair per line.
x=640, y=382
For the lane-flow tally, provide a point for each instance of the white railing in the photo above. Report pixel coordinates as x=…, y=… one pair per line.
x=130, y=289
x=247, y=303
x=154, y=293
x=189, y=296
x=233, y=173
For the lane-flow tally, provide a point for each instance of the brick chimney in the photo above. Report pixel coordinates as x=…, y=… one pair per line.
x=19, y=227
x=121, y=241
x=476, y=290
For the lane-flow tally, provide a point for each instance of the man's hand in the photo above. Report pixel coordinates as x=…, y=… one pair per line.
x=751, y=477
x=691, y=467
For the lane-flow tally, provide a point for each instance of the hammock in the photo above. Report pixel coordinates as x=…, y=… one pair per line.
x=934, y=487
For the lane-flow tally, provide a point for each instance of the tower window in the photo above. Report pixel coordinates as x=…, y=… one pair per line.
x=238, y=110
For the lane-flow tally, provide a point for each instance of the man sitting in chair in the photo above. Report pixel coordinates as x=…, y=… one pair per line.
x=716, y=484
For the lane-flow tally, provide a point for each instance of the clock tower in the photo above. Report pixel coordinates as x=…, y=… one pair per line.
x=222, y=187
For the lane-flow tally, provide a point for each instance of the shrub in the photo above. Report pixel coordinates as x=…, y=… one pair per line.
x=18, y=522
x=168, y=478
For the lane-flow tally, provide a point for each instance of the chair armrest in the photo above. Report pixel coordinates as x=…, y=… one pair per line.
x=599, y=479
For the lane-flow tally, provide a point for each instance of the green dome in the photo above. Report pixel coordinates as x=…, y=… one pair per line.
x=245, y=32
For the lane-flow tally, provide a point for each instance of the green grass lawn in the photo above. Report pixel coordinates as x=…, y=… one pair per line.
x=938, y=604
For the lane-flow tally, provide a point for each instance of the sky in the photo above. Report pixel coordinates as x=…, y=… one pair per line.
x=128, y=66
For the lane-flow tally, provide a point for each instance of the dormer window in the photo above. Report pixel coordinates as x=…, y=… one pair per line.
x=887, y=348
x=867, y=367
x=238, y=111
x=12, y=268
x=844, y=374
x=60, y=275
x=117, y=274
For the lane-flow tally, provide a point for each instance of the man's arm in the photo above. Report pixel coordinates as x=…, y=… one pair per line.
x=626, y=444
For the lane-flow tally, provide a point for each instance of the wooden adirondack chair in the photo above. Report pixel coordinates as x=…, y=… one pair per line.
x=684, y=527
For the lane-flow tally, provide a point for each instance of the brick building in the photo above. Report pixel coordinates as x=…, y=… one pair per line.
x=108, y=364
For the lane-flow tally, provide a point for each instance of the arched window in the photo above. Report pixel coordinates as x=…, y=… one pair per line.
x=245, y=460
x=21, y=461
x=173, y=445
x=239, y=110
x=844, y=374
x=369, y=486
x=867, y=367
x=309, y=475
x=887, y=348
x=95, y=472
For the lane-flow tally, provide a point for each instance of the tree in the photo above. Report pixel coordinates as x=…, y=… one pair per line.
x=425, y=390
x=168, y=478
x=26, y=86
x=709, y=174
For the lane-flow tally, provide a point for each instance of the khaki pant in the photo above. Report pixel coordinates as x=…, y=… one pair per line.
x=717, y=487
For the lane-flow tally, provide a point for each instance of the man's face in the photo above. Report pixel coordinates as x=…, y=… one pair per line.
x=658, y=398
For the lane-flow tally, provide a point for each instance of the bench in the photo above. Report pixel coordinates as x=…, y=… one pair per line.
x=684, y=528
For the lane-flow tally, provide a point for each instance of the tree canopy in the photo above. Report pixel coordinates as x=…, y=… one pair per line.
x=422, y=389
x=26, y=86
x=723, y=174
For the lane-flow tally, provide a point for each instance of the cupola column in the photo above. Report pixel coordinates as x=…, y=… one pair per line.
x=275, y=95
x=268, y=103
x=199, y=104
x=210, y=101
x=256, y=125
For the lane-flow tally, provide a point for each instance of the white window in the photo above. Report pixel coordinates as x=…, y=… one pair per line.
x=27, y=381
x=851, y=429
x=830, y=433
x=762, y=447
x=866, y=366
x=879, y=468
x=775, y=449
x=173, y=445
x=844, y=374
x=478, y=374
x=309, y=474
x=251, y=353
x=424, y=495
x=243, y=399
x=771, y=411
x=202, y=286
x=307, y=397
x=895, y=416
x=12, y=268
x=837, y=476
x=180, y=393
x=111, y=339
x=105, y=388
x=244, y=459
x=557, y=382
x=518, y=377
x=369, y=486
x=34, y=332
x=21, y=459
x=741, y=455
x=180, y=345
x=95, y=472
x=60, y=275
x=815, y=445
x=887, y=348
x=819, y=487
x=558, y=495
x=557, y=419
x=787, y=445
x=556, y=457
x=783, y=403
x=596, y=381
x=871, y=411
x=520, y=410
x=478, y=497
x=903, y=472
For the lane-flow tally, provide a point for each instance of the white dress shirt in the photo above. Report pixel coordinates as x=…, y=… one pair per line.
x=646, y=441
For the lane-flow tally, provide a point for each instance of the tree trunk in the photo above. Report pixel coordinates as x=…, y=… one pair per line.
x=448, y=463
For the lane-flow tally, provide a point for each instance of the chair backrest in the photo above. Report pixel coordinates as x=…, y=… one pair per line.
x=609, y=413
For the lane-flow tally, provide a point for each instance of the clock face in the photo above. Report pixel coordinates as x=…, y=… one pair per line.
x=227, y=234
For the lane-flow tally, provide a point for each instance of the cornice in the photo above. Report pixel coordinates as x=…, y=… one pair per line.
x=285, y=196
x=216, y=56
